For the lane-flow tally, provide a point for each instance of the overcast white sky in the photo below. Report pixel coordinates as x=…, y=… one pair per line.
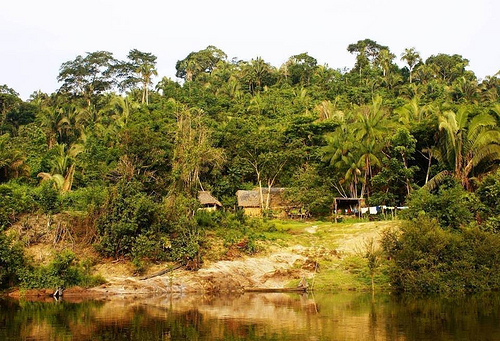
x=36, y=36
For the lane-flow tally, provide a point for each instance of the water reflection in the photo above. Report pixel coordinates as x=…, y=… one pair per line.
x=345, y=316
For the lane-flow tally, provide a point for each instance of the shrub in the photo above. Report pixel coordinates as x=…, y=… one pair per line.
x=451, y=205
x=16, y=199
x=427, y=258
x=47, y=197
x=11, y=262
x=127, y=213
x=488, y=193
x=62, y=271
x=82, y=198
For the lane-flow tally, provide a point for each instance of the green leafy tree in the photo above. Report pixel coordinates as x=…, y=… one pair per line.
x=396, y=178
x=367, y=52
x=126, y=215
x=88, y=76
x=301, y=68
x=197, y=63
x=448, y=68
x=139, y=69
x=12, y=262
x=9, y=99
x=257, y=74
x=193, y=153
x=370, y=128
x=12, y=160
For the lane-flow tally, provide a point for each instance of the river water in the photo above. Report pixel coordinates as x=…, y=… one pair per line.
x=342, y=316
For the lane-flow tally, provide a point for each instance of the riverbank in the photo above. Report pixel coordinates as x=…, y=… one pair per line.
x=328, y=256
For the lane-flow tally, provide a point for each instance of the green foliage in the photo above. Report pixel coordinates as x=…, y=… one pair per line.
x=377, y=132
x=16, y=199
x=427, y=258
x=451, y=205
x=488, y=194
x=63, y=271
x=47, y=197
x=311, y=191
x=11, y=262
x=83, y=198
x=126, y=214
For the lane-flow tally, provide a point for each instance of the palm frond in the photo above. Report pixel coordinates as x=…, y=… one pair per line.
x=437, y=180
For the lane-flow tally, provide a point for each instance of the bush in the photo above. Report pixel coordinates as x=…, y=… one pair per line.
x=62, y=271
x=451, y=205
x=11, y=262
x=427, y=258
x=47, y=197
x=488, y=194
x=127, y=213
x=82, y=198
x=16, y=199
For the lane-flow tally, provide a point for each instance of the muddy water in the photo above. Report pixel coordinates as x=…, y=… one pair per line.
x=344, y=316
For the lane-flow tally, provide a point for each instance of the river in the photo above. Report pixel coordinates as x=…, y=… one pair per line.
x=276, y=316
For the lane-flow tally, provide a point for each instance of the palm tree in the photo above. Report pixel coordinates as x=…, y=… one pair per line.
x=413, y=112
x=352, y=174
x=469, y=145
x=367, y=160
x=384, y=60
x=55, y=122
x=143, y=65
x=63, y=166
x=328, y=110
x=412, y=58
x=255, y=73
x=369, y=129
x=341, y=153
x=147, y=71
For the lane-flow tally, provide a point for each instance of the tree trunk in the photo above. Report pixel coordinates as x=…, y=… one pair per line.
x=68, y=179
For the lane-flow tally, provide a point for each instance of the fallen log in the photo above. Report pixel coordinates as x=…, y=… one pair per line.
x=162, y=272
x=272, y=290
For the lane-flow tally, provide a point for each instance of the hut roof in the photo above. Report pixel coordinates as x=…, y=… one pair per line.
x=347, y=202
x=206, y=198
x=252, y=198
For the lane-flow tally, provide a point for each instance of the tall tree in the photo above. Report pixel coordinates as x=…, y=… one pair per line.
x=256, y=74
x=193, y=153
x=366, y=52
x=139, y=69
x=448, y=68
x=196, y=63
x=301, y=68
x=412, y=58
x=9, y=99
x=371, y=126
x=88, y=76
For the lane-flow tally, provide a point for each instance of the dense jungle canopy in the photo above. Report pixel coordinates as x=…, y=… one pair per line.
x=132, y=152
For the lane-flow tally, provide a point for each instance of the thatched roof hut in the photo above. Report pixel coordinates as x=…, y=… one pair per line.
x=250, y=200
x=207, y=200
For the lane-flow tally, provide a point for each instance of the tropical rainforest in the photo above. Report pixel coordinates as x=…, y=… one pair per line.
x=130, y=155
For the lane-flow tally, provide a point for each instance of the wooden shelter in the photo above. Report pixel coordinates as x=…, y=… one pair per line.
x=208, y=201
x=250, y=201
x=348, y=206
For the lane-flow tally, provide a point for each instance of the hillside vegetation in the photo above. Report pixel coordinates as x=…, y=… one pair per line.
x=122, y=158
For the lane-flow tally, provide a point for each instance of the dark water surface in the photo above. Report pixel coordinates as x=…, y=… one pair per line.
x=344, y=316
